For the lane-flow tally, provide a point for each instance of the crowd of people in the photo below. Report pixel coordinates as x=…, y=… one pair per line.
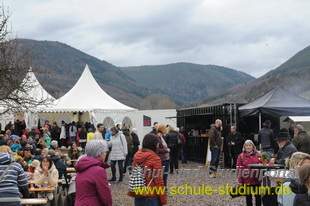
x=290, y=147
x=38, y=154
x=35, y=155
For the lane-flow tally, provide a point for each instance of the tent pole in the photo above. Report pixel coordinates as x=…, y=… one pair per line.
x=260, y=120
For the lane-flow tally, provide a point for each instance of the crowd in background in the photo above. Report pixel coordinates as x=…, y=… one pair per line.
x=290, y=147
x=38, y=150
x=36, y=155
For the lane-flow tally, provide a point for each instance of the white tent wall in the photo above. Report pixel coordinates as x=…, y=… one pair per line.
x=31, y=119
x=154, y=116
x=5, y=119
x=117, y=117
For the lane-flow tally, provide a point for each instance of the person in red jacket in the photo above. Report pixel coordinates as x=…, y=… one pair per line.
x=151, y=162
x=249, y=156
x=92, y=187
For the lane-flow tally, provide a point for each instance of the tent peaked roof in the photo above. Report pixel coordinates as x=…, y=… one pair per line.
x=87, y=95
x=277, y=102
x=36, y=90
x=33, y=91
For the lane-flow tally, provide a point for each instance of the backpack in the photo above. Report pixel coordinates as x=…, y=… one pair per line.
x=129, y=142
x=137, y=180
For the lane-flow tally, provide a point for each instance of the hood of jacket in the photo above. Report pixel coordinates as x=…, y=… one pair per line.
x=6, y=158
x=54, y=157
x=86, y=162
x=142, y=155
x=297, y=186
x=126, y=132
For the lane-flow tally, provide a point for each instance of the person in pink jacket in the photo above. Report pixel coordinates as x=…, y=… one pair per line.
x=249, y=155
x=92, y=187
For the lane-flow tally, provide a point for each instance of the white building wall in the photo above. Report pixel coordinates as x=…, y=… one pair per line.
x=156, y=116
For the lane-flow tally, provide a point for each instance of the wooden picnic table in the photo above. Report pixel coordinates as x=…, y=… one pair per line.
x=31, y=182
x=42, y=189
x=73, y=160
x=33, y=201
x=71, y=169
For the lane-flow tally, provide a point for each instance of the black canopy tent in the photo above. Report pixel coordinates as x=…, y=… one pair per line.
x=277, y=102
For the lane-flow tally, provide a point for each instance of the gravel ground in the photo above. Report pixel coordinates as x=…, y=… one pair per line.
x=119, y=190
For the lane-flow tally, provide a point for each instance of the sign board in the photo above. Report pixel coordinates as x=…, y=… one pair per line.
x=147, y=122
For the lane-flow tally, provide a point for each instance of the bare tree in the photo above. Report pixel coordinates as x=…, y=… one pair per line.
x=15, y=63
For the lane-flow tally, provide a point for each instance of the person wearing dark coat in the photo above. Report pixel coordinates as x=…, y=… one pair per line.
x=59, y=164
x=171, y=139
x=135, y=141
x=286, y=147
x=235, y=141
x=55, y=132
x=33, y=132
x=83, y=136
x=301, y=187
x=267, y=139
x=291, y=130
x=3, y=141
x=154, y=128
x=8, y=126
x=302, y=141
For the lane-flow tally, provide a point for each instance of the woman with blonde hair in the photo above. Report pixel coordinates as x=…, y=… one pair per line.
x=302, y=186
x=163, y=150
x=297, y=159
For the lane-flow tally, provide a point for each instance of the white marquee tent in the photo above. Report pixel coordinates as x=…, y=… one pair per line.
x=36, y=92
x=87, y=96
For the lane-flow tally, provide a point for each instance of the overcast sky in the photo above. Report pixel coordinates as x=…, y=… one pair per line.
x=246, y=35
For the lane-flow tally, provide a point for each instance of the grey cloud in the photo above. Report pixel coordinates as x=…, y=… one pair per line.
x=236, y=35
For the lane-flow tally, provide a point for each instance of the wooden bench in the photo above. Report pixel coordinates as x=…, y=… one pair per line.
x=33, y=201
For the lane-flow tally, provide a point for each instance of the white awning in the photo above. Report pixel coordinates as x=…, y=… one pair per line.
x=300, y=118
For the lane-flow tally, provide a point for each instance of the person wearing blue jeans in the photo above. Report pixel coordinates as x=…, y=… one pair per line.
x=118, y=153
x=165, y=165
x=215, y=136
x=215, y=158
x=149, y=201
x=120, y=168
